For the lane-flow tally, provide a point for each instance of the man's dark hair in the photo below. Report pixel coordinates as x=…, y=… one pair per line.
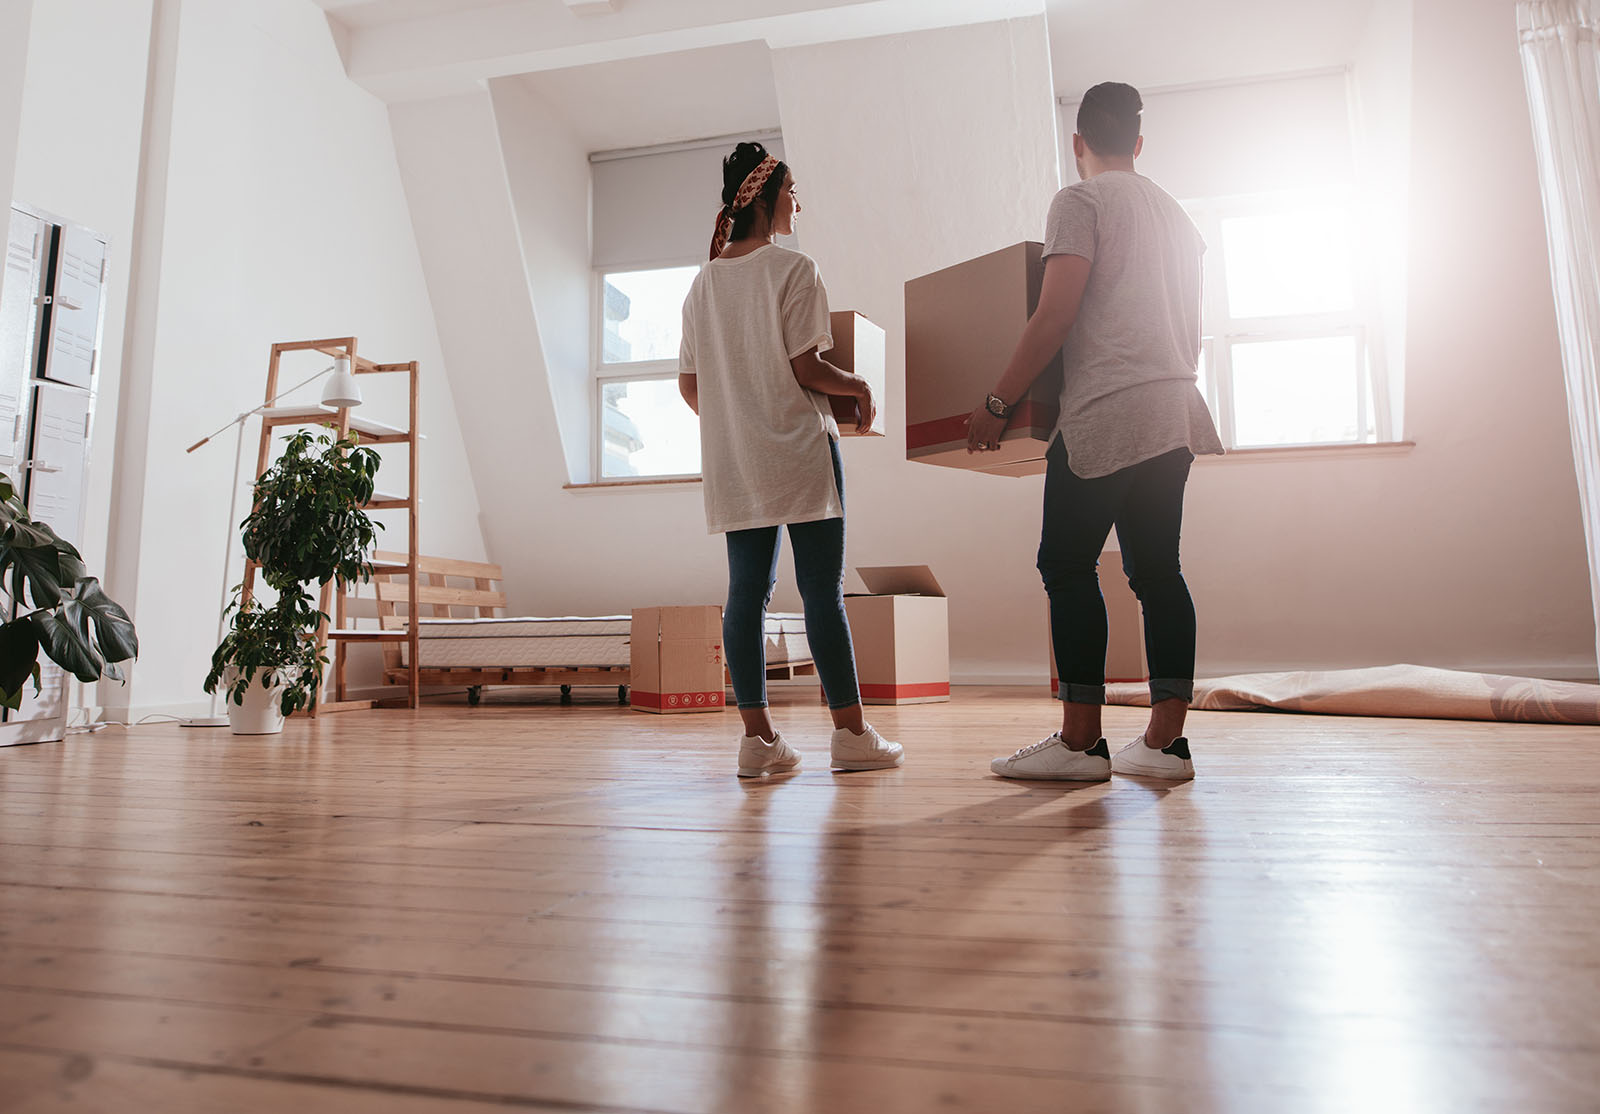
x=1108, y=119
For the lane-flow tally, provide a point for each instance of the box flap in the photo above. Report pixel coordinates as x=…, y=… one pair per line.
x=900, y=580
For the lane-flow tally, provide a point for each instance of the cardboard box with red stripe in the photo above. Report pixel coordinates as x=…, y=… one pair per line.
x=858, y=346
x=901, y=631
x=962, y=324
x=676, y=661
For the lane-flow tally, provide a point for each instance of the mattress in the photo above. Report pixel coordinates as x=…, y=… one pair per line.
x=568, y=642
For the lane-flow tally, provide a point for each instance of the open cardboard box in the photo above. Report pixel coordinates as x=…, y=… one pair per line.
x=858, y=346
x=901, y=630
x=675, y=660
x=962, y=324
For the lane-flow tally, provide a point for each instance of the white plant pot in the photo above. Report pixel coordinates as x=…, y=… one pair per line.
x=261, y=713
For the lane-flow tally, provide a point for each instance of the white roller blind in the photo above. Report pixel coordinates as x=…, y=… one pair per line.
x=659, y=207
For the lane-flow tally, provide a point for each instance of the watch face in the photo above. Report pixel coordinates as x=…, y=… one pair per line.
x=996, y=407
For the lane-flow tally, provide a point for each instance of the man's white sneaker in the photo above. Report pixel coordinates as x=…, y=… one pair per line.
x=1171, y=762
x=757, y=756
x=1052, y=760
x=866, y=751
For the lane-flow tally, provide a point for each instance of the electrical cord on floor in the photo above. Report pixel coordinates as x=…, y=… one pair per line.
x=89, y=727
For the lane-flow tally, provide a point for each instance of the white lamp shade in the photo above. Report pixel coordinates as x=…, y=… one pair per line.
x=341, y=389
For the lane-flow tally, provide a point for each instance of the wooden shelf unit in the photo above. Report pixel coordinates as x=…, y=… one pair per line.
x=333, y=601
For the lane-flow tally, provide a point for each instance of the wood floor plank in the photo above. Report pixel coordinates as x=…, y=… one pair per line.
x=579, y=908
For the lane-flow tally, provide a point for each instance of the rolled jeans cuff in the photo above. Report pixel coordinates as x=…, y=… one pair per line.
x=1171, y=689
x=1080, y=694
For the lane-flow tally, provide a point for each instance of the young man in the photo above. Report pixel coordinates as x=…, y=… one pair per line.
x=1121, y=297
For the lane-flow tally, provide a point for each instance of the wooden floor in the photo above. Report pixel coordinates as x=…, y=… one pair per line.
x=580, y=908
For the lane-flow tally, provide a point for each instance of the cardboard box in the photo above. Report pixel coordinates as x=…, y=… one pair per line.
x=901, y=632
x=962, y=324
x=676, y=662
x=1124, y=627
x=859, y=346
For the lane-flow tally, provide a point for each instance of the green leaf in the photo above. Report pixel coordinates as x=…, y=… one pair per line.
x=19, y=656
x=32, y=552
x=64, y=634
x=113, y=630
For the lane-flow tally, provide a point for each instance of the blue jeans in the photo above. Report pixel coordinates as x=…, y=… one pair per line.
x=819, y=574
x=1145, y=504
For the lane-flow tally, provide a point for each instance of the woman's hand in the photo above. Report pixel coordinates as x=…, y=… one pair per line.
x=984, y=430
x=866, y=407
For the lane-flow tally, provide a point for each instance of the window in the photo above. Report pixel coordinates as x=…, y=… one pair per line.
x=1288, y=352
x=645, y=428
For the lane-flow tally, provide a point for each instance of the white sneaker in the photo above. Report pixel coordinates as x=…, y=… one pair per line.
x=1052, y=760
x=757, y=756
x=866, y=751
x=1171, y=763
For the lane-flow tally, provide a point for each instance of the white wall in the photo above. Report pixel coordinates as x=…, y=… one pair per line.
x=1463, y=552
x=1256, y=137
x=78, y=158
x=14, y=19
x=279, y=216
x=956, y=157
x=547, y=174
x=1381, y=95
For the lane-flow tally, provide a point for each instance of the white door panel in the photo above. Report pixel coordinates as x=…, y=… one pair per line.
x=55, y=469
x=19, y=315
x=75, y=307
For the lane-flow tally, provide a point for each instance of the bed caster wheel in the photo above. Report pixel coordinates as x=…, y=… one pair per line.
x=622, y=694
x=474, y=695
x=566, y=694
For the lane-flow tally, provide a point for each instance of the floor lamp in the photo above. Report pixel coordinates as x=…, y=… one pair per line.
x=341, y=391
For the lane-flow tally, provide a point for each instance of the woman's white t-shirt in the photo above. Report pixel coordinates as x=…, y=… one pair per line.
x=763, y=437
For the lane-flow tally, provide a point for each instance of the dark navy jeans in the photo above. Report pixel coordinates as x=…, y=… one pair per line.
x=819, y=574
x=1145, y=504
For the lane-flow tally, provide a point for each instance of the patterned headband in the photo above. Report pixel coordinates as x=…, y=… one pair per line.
x=749, y=190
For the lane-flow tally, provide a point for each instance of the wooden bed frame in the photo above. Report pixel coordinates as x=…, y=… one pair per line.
x=486, y=599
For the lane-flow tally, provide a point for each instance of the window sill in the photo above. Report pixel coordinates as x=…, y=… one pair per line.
x=612, y=485
x=1315, y=452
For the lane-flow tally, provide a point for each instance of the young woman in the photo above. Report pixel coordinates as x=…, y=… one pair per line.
x=753, y=325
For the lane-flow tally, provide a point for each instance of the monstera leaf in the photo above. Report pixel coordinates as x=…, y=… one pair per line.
x=43, y=568
x=86, y=632
x=74, y=622
x=19, y=660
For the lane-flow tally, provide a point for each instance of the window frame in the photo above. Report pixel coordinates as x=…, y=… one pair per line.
x=1220, y=331
x=633, y=371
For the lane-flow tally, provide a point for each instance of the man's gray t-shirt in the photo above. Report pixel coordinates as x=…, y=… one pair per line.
x=1128, y=393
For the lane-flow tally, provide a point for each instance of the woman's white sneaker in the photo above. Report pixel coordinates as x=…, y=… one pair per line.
x=1052, y=760
x=1171, y=762
x=866, y=751
x=757, y=756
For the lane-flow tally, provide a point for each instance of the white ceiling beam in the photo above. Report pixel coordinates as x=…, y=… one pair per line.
x=447, y=55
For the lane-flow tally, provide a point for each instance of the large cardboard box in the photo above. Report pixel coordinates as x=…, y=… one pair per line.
x=962, y=324
x=858, y=346
x=676, y=660
x=1124, y=623
x=901, y=632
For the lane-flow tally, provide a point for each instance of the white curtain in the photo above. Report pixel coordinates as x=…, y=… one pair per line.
x=1560, y=43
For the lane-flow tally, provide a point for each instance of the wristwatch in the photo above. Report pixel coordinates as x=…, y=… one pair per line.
x=996, y=406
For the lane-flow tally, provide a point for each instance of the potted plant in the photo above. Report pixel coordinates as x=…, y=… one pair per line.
x=73, y=621
x=306, y=527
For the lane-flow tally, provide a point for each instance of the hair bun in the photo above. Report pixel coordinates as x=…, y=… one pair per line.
x=737, y=167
